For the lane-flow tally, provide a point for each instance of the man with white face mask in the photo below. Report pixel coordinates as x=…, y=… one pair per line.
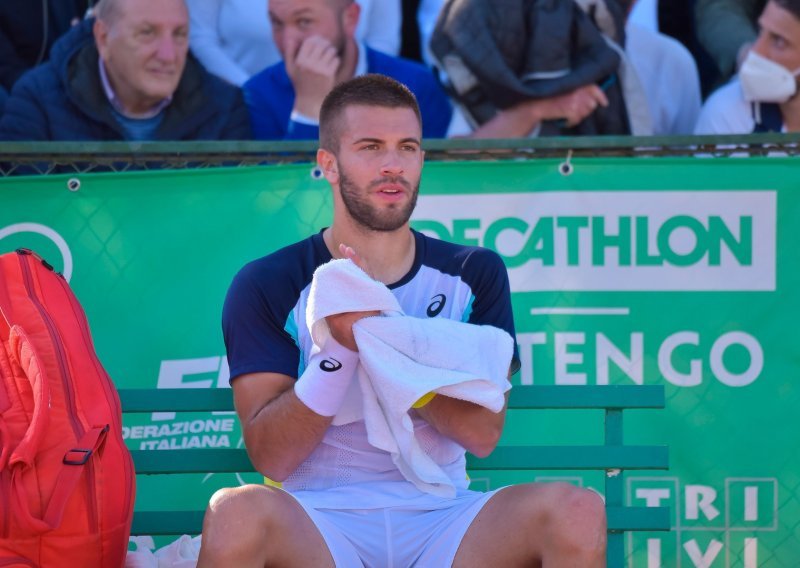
x=764, y=95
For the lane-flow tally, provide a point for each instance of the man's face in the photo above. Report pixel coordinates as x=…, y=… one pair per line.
x=779, y=38
x=379, y=165
x=144, y=47
x=293, y=21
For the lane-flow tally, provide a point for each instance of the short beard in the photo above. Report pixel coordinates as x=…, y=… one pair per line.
x=369, y=217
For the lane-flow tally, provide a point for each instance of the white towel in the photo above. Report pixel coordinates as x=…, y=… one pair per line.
x=180, y=553
x=403, y=358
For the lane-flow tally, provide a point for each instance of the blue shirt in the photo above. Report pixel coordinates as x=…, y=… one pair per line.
x=263, y=317
x=270, y=97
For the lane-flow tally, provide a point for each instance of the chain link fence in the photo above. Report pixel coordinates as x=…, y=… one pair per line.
x=43, y=158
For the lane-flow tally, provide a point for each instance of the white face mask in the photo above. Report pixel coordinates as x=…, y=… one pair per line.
x=765, y=81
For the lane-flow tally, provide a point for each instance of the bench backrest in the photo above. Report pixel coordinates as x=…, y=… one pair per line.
x=613, y=456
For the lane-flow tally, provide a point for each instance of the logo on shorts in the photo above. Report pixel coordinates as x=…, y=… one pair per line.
x=437, y=305
x=330, y=365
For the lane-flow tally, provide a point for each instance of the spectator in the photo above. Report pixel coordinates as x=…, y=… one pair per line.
x=28, y=29
x=669, y=77
x=233, y=39
x=519, y=69
x=125, y=76
x=316, y=39
x=763, y=98
x=726, y=29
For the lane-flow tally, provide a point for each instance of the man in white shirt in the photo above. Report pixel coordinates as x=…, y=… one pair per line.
x=763, y=97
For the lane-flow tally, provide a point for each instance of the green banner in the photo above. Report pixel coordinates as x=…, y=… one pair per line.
x=680, y=272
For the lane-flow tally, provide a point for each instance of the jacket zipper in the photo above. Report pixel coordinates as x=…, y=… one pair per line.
x=72, y=411
x=105, y=380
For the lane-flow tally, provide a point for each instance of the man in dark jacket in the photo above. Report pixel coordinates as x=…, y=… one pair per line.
x=125, y=76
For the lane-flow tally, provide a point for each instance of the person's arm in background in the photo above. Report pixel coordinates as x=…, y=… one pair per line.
x=521, y=119
x=724, y=27
x=205, y=41
x=379, y=25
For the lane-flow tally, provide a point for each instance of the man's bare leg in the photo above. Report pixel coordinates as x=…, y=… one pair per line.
x=550, y=525
x=257, y=526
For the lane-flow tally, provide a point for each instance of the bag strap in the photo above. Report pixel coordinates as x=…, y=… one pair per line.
x=74, y=463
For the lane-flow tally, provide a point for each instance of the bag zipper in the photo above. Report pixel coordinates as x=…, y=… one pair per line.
x=72, y=412
x=27, y=277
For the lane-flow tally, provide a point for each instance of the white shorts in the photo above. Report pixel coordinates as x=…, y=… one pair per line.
x=397, y=537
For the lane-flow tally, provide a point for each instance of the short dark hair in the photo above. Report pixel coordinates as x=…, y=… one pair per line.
x=792, y=6
x=367, y=90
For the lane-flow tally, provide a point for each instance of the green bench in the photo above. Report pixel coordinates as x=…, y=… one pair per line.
x=613, y=456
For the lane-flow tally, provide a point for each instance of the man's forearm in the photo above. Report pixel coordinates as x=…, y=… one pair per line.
x=283, y=429
x=473, y=426
x=283, y=434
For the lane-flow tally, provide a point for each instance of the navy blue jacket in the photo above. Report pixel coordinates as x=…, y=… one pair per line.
x=270, y=98
x=63, y=99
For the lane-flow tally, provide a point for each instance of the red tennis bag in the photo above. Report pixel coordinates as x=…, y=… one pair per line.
x=66, y=478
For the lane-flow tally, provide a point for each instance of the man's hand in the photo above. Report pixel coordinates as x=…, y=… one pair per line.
x=521, y=119
x=573, y=106
x=341, y=325
x=312, y=65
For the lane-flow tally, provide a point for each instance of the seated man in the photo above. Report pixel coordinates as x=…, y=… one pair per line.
x=316, y=39
x=125, y=76
x=763, y=97
x=344, y=502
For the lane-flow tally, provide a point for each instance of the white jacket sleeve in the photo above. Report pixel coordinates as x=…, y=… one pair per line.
x=379, y=25
x=205, y=42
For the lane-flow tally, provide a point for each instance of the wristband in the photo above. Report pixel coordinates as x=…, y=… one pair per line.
x=324, y=383
x=423, y=400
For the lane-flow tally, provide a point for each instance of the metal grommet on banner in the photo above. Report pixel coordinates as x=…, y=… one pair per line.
x=565, y=168
x=316, y=172
x=73, y=184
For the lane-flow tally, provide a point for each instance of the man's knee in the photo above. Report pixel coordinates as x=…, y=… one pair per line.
x=239, y=517
x=579, y=519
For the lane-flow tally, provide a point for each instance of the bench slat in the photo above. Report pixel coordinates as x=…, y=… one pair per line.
x=503, y=458
x=167, y=522
x=528, y=397
x=587, y=396
x=639, y=518
x=191, y=461
x=191, y=522
x=176, y=400
x=572, y=457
